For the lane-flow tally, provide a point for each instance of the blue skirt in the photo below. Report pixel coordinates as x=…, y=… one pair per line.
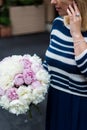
x=65, y=111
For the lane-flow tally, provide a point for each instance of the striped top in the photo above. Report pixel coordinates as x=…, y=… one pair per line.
x=68, y=72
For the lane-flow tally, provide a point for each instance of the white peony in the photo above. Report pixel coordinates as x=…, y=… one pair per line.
x=43, y=76
x=35, y=59
x=27, y=56
x=4, y=102
x=9, y=67
x=38, y=94
x=25, y=94
x=17, y=107
x=6, y=82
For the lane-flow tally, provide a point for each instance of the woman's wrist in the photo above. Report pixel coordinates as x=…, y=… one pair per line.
x=79, y=45
x=79, y=41
x=77, y=37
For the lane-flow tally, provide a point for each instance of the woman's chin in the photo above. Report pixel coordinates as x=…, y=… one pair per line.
x=62, y=13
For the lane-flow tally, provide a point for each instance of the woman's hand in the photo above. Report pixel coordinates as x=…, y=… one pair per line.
x=75, y=20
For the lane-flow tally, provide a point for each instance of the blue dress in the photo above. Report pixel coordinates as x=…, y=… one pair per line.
x=67, y=93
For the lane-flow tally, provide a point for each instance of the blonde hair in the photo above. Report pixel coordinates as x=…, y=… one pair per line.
x=82, y=5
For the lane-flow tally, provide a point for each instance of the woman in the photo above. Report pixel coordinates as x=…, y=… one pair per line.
x=66, y=61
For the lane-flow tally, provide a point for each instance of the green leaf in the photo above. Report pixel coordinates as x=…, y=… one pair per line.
x=5, y=21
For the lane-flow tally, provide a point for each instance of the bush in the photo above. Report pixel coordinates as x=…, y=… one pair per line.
x=25, y=2
x=4, y=16
x=5, y=21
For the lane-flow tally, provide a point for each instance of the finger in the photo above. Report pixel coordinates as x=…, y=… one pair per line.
x=76, y=7
x=77, y=12
x=69, y=13
x=72, y=10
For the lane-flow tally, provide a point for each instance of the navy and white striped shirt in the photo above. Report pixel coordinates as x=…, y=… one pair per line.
x=68, y=72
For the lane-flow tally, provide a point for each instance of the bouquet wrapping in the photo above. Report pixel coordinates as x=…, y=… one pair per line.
x=23, y=81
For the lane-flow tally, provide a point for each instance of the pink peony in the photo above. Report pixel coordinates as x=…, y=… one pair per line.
x=26, y=63
x=36, y=67
x=29, y=76
x=36, y=84
x=11, y=94
x=18, y=80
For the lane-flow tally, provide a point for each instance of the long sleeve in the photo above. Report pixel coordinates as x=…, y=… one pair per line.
x=81, y=61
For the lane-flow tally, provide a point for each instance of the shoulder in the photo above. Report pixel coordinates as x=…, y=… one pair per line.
x=58, y=22
x=59, y=30
x=58, y=19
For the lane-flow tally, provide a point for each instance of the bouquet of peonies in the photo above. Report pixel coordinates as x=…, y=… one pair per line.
x=23, y=81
